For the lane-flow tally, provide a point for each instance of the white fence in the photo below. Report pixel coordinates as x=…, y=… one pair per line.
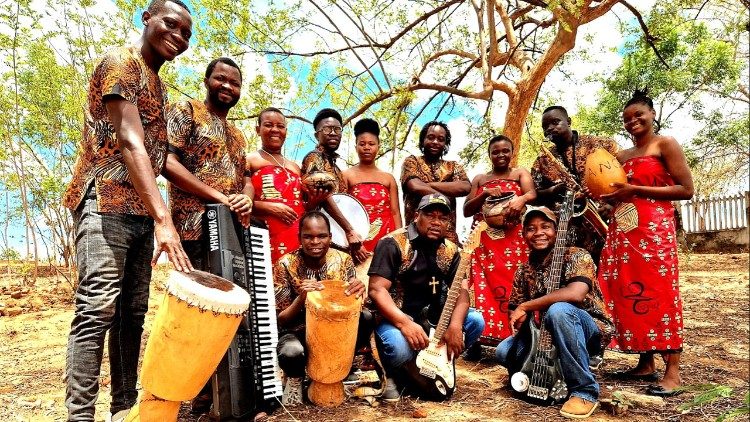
x=718, y=213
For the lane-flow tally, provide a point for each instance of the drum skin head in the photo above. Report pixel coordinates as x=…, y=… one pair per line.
x=208, y=292
x=355, y=213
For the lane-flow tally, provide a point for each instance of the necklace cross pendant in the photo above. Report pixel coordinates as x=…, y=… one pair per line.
x=434, y=283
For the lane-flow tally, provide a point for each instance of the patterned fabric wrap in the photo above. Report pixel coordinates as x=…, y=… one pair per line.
x=376, y=199
x=493, y=265
x=639, y=272
x=546, y=174
x=528, y=284
x=290, y=270
x=440, y=171
x=278, y=184
x=121, y=73
x=210, y=148
x=319, y=160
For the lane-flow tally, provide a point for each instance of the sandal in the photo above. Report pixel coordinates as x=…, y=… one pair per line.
x=659, y=391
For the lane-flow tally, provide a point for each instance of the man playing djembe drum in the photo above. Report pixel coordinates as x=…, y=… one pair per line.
x=297, y=274
x=410, y=272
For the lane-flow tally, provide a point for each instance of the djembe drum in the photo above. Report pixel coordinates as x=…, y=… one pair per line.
x=332, y=320
x=193, y=327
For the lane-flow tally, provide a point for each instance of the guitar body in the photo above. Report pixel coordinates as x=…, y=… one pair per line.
x=540, y=374
x=433, y=373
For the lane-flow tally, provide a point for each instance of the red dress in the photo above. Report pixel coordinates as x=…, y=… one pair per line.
x=493, y=266
x=376, y=199
x=278, y=184
x=638, y=267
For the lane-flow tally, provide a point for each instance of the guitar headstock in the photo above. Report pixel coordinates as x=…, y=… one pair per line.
x=475, y=237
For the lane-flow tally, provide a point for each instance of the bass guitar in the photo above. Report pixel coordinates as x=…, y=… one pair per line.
x=540, y=376
x=432, y=371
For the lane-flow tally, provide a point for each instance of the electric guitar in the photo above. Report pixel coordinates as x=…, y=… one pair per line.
x=541, y=376
x=432, y=371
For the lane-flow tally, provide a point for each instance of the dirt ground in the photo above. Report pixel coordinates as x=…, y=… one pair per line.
x=717, y=320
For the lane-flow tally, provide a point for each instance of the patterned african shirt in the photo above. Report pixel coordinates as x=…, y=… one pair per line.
x=319, y=160
x=546, y=174
x=122, y=73
x=439, y=171
x=290, y=270
x=420, y=270
x=528, y=284
x=210, y=148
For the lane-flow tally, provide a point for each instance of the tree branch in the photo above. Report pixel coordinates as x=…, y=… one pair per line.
x=644, y=27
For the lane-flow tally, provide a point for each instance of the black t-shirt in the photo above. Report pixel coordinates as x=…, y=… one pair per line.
x=419, y=284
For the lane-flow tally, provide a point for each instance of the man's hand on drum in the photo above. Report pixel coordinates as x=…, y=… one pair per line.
x=414, y=335
x=283, y=211
x=310, y=285
x=454, y=340
x=355, y=287
x=242, y=205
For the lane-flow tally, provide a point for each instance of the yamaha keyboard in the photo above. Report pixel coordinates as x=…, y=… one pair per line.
x=248, y=378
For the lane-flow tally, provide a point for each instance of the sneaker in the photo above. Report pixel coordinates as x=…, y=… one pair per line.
x=578, y=408
x=292, y=392
x=391, y=393
x=118, y=417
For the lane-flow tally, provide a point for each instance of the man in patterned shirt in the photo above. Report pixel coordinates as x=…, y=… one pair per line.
x=431, y=174
x=206, y=159
x=118, y=210
x=328, y=127
x=206, y=164
x=570, y=150
x=298, y=273
x=574, y=314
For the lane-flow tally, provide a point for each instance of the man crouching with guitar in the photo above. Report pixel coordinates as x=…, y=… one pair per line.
x=544, y=361
x=411, y=278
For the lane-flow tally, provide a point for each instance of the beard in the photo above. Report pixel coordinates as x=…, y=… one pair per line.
x=217, y=102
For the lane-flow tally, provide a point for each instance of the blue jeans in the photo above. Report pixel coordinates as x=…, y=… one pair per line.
x=576, y=337
x=113, y=253
x=395, y=351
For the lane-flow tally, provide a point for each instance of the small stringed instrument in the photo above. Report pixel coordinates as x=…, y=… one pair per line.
x=540, y=376
x=432, y=371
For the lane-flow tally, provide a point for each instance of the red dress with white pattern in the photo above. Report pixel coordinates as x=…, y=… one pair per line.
x=493, y=265
x=376, y=199
x=638, y=267
x=279, y=184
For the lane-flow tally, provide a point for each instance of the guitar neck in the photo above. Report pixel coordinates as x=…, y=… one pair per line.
x=453, y=293
x=552, y=281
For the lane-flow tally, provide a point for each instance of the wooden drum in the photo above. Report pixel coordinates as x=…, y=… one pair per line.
x=193, y=327
x=332, y=322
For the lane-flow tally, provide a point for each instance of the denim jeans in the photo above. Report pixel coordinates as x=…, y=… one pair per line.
x=395, y=350
x=113, y=253
x=576, y=337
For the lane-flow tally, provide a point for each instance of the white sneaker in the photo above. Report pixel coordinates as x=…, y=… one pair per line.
x=292, y=392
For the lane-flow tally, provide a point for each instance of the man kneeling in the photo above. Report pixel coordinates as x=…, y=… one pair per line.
x=410, y=273
x=298, y=273
x=574, y=314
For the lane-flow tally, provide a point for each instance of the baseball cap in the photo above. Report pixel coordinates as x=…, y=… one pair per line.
x=434, y=199
x=544, y=211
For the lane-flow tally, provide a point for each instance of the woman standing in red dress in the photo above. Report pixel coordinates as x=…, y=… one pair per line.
x=374, y=188
x=494, y=262
x=638, y=266
x=276, y=184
